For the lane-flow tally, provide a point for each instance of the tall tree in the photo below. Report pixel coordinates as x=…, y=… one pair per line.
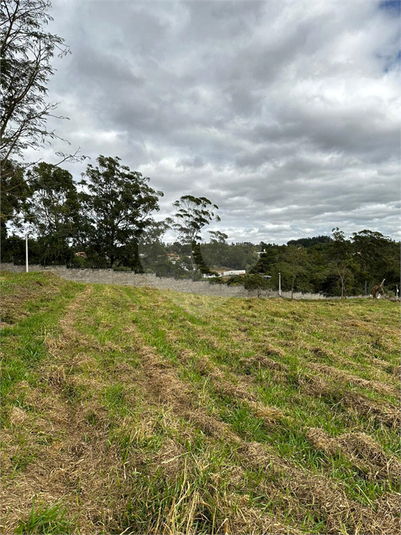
x=26, y=54
x=27, y=51
x=193, y=214
x=376, y=257
x=341, y=260
x=52, y=211
x=117, y=206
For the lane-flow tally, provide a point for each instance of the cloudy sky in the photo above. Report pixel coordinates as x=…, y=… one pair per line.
x=283, y=113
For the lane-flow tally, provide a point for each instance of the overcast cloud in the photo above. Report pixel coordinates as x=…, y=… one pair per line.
x=285, y=114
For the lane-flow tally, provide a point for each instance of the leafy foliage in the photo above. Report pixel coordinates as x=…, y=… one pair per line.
x=52, y=211
x=14, y=191
x=26, y=54
x=193, y=214
x=256, y=283
x=116, y=207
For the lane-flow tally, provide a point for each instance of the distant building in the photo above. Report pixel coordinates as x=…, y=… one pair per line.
x=234, y=273
x=173, y=258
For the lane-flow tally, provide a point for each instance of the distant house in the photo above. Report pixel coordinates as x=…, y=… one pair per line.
x=234, y=273
x=82, y=254
x=173, y=258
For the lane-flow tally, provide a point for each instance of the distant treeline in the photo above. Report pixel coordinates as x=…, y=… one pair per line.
x=333, y=266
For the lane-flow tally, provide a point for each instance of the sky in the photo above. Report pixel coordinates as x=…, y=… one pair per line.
x=284, y=114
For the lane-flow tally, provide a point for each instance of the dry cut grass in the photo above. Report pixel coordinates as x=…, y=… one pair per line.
x=138, y=411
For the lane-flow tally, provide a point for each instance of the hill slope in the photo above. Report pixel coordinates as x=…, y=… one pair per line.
x=139, y=411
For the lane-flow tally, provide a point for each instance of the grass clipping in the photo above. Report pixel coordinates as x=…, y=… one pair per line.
x=146, y=417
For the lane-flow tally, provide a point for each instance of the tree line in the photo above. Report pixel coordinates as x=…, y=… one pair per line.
x=333, y=265
x=100, y=221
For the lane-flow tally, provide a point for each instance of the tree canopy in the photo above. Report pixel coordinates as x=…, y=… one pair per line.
x=26, y=54
x=116, y=207
x=52, y=211
x=193, y=214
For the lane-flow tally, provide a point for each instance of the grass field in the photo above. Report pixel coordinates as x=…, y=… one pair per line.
x=132, y=410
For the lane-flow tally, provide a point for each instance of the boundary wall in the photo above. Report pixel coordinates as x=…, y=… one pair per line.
x=129, y=278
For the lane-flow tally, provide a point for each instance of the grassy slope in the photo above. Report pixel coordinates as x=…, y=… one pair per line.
x=156, y=412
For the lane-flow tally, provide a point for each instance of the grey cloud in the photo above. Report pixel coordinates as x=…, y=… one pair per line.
x=95, y=67
x=196, y=162
x=219, y=21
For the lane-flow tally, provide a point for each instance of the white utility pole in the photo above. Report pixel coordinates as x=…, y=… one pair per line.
x=279, y=283
x=26, y=253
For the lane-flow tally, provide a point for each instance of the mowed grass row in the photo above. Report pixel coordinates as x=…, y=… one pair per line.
x=140, y=411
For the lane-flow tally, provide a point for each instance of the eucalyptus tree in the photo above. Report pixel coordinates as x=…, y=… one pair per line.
x=27, y=51
x=116, y=206
x=192, y=215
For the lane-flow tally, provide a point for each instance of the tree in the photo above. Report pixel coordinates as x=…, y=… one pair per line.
x=341, y=260
x=26, y=54
x=375, y=257
x=26, y=51
x=52, y=211
x=267, y=259
x=218, y=237
x=292, y=263
x=255, y=283
x=116, y=208
x=193, y=214
x=14, y=192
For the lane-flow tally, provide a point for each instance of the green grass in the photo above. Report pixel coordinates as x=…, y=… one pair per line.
x=49, y=520
x=34, y=304
x=151, y=411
